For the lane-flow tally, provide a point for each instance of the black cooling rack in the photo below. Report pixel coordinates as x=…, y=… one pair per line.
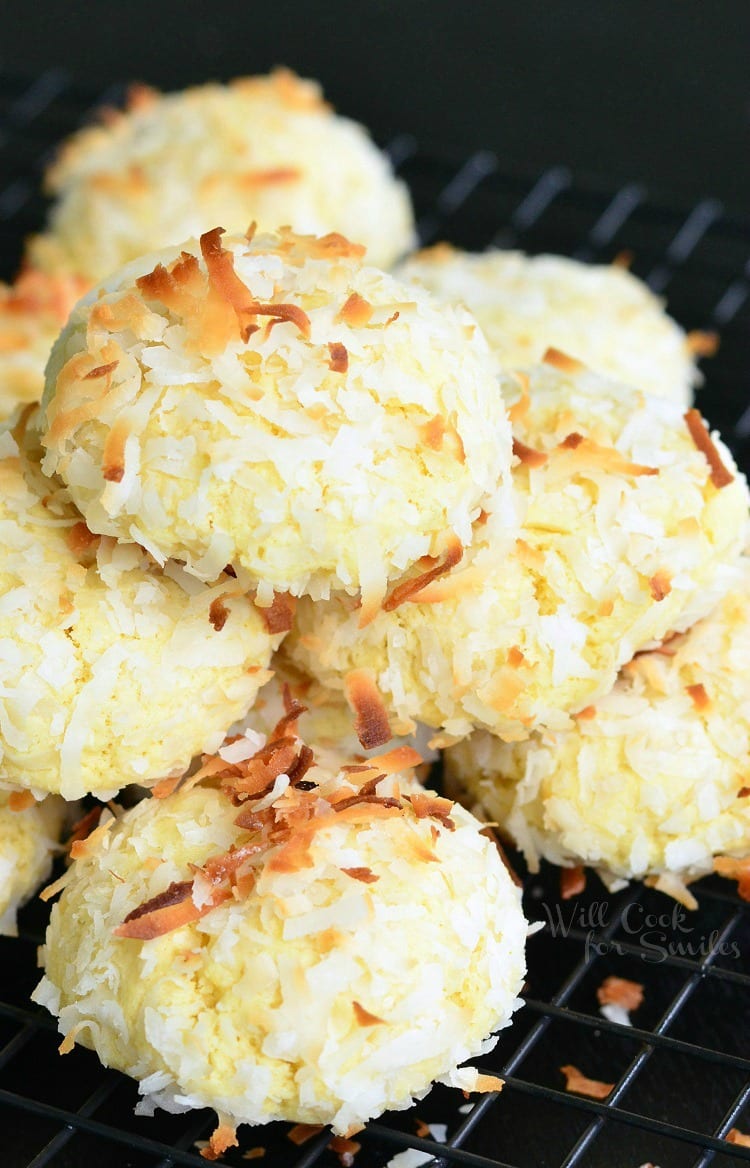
x=682, y=1071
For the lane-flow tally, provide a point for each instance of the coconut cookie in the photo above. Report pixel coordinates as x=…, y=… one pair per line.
x=248, y=945
x=112, y=671
x=32, y=311
x=267, y=149
x=29, y=833
x=632, y=519
x=653, y=779
x=275, y=405
x=600, y=314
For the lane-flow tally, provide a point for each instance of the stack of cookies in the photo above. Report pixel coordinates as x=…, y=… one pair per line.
x=282, y=524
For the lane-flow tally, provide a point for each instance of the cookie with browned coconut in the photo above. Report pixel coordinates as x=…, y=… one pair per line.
x=275, y=404
x=652, y=780
x=246, y=943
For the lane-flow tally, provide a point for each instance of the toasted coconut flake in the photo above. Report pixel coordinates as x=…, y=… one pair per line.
x=720, y=476
x=623, y=259
x=293, y=710
x=113, y=455
x=702, y=344
x=177, y=288
x=271, y=176
x=572, y=881
x=672, y=885
x=81, y=541
x=223, y=278
x=401, y=758
x=520, y=407
x=735, y=869
x=165, y=787
x=356, y=311
x=162, y=914
x=527, y=455
x=370, y=715
x=56, y=886
x=619, y=991
x=101, y=371
x=363, y=797
x=410, y=589
x=86, y=845
x=366, y=875
x=578, y=1084
x=339, y=357
x=345, y=1149
x=699, y=697
x=254, y=1153
x=69, y=1041
x=335, y=244
x=486, y=1084
x=364, y=1017
x=660, y=585
x=435, y=806
x=218, y=613
x=83, y=827
x=563, y=361
x=257, y=775
x=225, y=281
x=452, y=586
x=21, y=800
x=590, y=455
x=302, y=1132
x=218, y=870
x=433, y=432
x=278, y=617
x=223, y=1138
x=735, y=1136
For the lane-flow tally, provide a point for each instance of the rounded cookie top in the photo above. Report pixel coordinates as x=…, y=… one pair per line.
x=247, y=944
x=267, y=149
x=599, y=313
x=632, y=518
x=107, y=658
x=652, y=779
x=273, y=404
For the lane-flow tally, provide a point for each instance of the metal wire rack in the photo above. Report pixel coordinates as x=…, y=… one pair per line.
x=682, y=1071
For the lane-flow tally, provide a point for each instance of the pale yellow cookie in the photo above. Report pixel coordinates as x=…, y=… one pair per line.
x=173, y=165
x=276, y=405
x=652, y=780
x=112, y=671
x=632, y=520
x=599, y=313
x=357, y=939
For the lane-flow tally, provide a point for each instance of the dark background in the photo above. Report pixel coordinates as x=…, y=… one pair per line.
x=651, y=90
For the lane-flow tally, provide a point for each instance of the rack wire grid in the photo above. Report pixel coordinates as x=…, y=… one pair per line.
x=682, y=1070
